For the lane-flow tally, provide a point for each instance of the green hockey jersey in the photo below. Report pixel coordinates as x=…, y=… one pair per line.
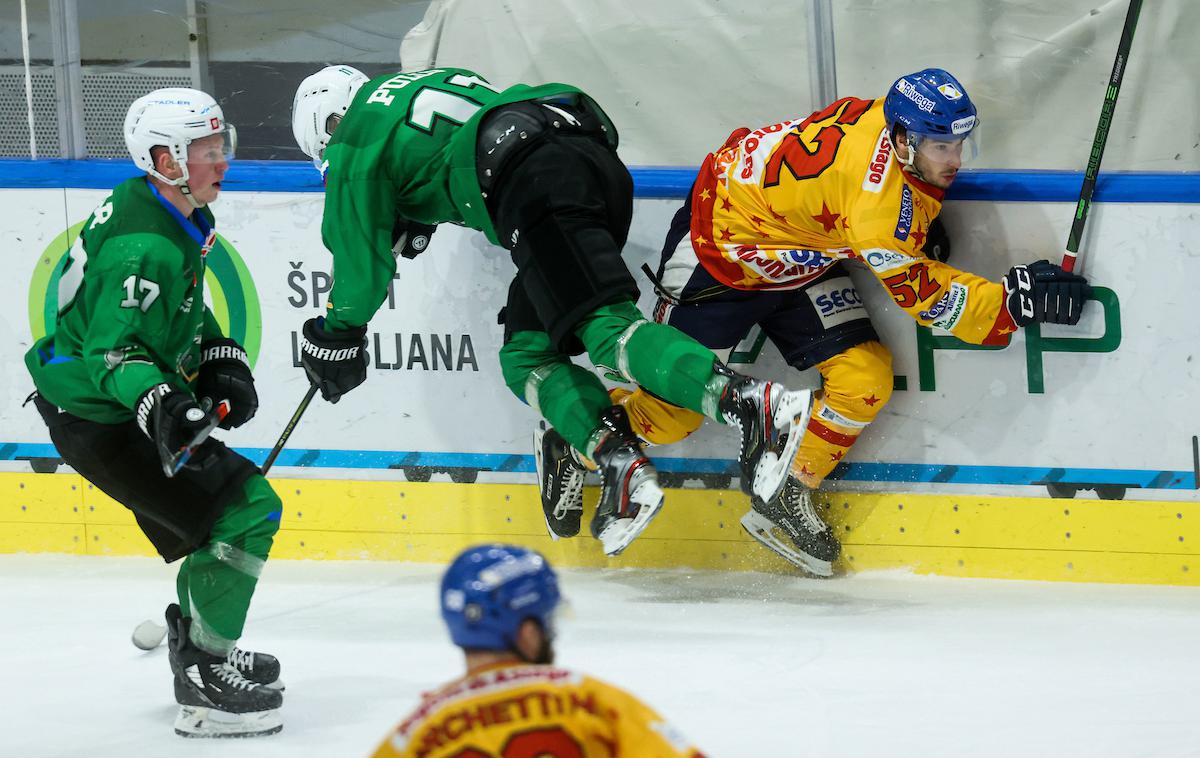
x=405, y=149
x=131, y=306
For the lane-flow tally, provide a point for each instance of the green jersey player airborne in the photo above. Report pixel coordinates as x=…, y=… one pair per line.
x=125, y=382
x=536, y=170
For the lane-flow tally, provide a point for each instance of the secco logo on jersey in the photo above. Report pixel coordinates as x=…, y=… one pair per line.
x=907, y=89
x=881, y=259
x=904, y=222
x=836, y=301
x=880, y=165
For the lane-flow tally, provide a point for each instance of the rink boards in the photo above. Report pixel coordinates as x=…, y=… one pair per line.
x=972, y=536
x=1104, y=409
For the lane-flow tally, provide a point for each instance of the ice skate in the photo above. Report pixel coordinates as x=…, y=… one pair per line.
x=813, y=547
x=629, y=493
x=560, y=482
x=215, y=700
x=772, y=422
x=260, y=668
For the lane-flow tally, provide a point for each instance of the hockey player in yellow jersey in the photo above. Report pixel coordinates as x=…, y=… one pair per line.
x=499, y=603
x=761, y=240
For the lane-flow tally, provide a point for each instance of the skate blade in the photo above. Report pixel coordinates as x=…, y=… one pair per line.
x=539, y=431
x=619, y=534
x=200, y=722
x=763, y=529
x=792, y=413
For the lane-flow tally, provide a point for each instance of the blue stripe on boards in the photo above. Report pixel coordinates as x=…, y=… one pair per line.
x=899, y=473
x=649, y=181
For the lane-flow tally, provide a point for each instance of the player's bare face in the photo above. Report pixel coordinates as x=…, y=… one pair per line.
x=939, y=161
x=207, y=164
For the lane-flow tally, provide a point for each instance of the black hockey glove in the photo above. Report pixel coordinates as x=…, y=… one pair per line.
x=336, y=362
x=174, y=422
x=937, y=242
x=225, y=375
x=411, y=238
x=1042, y=292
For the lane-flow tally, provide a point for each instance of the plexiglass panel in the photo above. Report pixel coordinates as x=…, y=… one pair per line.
x=1037, y=71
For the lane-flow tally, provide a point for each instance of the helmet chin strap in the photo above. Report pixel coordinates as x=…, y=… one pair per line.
x=187, y=193
x=908, y=164
x=181, y=183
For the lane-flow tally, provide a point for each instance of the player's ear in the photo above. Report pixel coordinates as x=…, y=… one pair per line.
x=529, y=639
x=163, y=162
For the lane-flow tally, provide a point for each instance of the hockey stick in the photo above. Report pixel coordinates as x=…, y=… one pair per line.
x=1106, y=114
x=287, y=430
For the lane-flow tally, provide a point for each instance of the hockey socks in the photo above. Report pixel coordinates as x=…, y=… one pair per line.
x=660, y=358
x=857, y=385
x=216, y=582
x=570, y=397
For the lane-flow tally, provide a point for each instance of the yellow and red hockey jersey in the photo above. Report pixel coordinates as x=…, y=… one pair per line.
x=512, y=710
x=775, y=207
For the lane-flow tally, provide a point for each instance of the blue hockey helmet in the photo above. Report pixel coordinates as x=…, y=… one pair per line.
x=489, y=590
x=930, y=104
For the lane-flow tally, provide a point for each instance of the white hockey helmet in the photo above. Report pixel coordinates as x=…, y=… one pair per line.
x=323, y=95
x=174, y=118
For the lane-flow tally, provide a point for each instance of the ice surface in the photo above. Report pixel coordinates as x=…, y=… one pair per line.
x=746, y=664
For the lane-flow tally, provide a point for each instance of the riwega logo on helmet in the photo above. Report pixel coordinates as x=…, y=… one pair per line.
x=227, y=281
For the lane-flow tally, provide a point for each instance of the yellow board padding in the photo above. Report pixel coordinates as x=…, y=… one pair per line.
x=1126, y=526
x=952, y=535
x=1041, y=565
x=40, y=498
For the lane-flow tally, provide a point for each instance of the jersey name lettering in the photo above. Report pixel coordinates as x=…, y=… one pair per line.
x=382, y=93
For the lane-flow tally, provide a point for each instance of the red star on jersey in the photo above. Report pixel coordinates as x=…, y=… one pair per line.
x=647, y=427
x=755, y=220
x=776, y=216
x=845, y=224
x=805, y=472
x=827, y=218
x=725, y=204
x=919, y=237
x=837, y=456
x=871, y=401
x=726, y=235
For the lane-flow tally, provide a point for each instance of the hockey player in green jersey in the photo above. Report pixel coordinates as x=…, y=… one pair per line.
x=536, y=170
x=131, y=380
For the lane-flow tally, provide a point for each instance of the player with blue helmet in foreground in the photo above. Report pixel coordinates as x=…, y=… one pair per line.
x=762, y=240
x=930, y=114
x=499, y=602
